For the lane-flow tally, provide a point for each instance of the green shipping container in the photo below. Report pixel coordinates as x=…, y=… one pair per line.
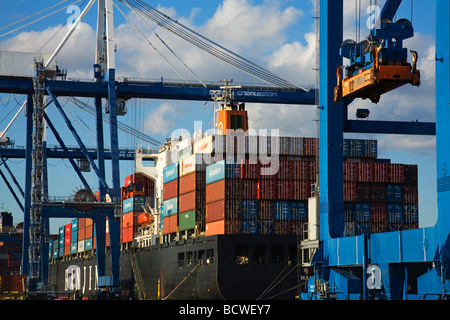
x=186, y=220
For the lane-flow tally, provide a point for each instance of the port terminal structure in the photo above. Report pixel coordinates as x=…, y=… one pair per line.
x=50, y=82
x=385, y=260
x=402, y=265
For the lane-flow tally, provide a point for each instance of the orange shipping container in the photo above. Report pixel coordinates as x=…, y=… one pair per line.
x=81, y=234
x=89, y=232
x=170, y=224
x=170, y=189
x=216, y=227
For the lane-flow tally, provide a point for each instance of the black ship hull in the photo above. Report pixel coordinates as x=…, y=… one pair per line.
x=231, y=267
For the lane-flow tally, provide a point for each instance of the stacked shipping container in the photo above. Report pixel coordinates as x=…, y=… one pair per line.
x=380, y=197
x=170, y=199
x=138, y=191
x=235, y=197
x=192, y=193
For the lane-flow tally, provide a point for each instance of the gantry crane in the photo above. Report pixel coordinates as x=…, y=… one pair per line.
x=46, y=83
x=410, y=264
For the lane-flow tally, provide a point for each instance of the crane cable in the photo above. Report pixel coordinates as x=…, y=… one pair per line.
x=208, y=45
x=145, y=38
x=164, y=43
x=38, y=19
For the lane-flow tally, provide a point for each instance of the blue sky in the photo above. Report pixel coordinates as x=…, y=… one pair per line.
x=276, y=34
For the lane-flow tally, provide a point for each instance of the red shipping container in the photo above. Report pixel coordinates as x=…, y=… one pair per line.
x=127, y=181
x=350, y=191
x=249, y=189
x=377, y=192
x=411, y=173
x=265, y=211
x=381, y=172
x=215, y=211
x=170, y=224
x=363, y=192
x=249, y=170
x=396, y=173
x=378, y=213
x=130, y=219
x=67, y=229
x=170, y=190
x=410, y=194
x=67, y=250
x=127, y=234
x=215, y=191
x=351, y=171
x=366, y=172
x=67, y=240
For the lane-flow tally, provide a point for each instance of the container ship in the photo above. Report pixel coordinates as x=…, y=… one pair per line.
x=222, y=215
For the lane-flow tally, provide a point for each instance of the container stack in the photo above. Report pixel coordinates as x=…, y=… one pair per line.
x=241, y=197
x=138, y=192
x=10, y=257
x=192, y=195
x=170, y=199
x=380, y=197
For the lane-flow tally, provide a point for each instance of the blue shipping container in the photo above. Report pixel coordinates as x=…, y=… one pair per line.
x=265, y=226
x=349, y=229
x=362, y=228
x=215, y=172
x=133, y=204
x=74, y=237
x=88, y=244
x=249, y=209
x=298, y=211
x=170, y=173
x=249, y=226
x=394, y=213
x=73, y=248
x=61, y=231
x=170, y=207
x=362, y=212
x=349, y=212
x=410, y=213
x=61, y=252
x=55, y=253
x=281, y=210
x=61, y=241
x=74, y=225
x=393, y=193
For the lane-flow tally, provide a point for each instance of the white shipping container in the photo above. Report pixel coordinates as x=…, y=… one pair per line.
x=81, y=246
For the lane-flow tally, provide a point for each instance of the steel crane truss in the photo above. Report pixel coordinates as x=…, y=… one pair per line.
x=410, y=264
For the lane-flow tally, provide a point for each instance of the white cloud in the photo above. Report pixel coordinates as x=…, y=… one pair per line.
x=161, y=120
x=242, y=25
x=77, y=55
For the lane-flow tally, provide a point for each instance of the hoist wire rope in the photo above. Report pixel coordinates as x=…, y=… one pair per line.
x=125, y=128
x=32, y=15
x=208, y=45
x=165, y=44
x=151, y=44
x=38, y=19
